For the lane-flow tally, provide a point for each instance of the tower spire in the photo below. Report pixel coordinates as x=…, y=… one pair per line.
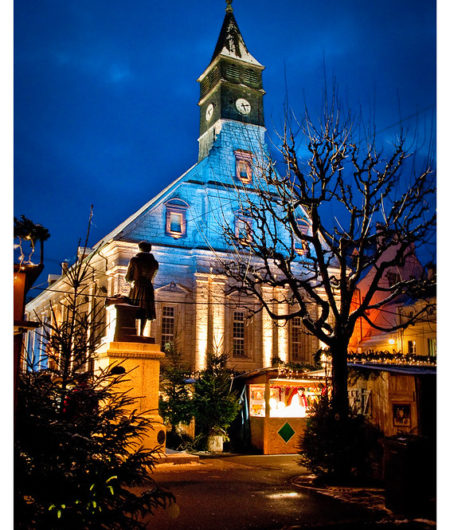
x=231, y=86
x=230, y=42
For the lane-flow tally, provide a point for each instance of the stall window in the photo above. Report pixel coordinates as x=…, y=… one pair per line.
x=167, y=326
x=432, y=347
x=257, y=401
x=287, y=399
x=238, y=334
x=412, y=347
x=293, y=400
x=244, y=166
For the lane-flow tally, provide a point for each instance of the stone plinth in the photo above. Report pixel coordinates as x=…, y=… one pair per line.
x=141, y=362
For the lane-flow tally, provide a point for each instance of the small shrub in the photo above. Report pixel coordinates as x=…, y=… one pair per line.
x=339, y=448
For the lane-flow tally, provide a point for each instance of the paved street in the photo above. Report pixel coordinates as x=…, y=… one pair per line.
x=240, y=492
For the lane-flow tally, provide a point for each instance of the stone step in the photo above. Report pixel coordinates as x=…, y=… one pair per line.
x=177, y=457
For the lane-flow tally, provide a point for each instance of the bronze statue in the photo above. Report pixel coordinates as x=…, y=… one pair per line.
x=141, y=272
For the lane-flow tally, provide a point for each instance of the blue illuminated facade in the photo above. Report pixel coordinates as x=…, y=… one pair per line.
x=184, y=223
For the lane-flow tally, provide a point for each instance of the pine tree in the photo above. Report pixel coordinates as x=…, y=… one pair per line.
x=215, y=404
x=176, y=404
x=79, y=462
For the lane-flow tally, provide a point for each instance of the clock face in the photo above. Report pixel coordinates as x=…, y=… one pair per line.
x=209, y=111
x=243, y=106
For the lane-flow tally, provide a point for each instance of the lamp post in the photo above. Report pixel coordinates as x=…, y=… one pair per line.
x=25, y=274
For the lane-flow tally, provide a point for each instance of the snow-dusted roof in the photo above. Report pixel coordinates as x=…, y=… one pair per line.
x=230, y=42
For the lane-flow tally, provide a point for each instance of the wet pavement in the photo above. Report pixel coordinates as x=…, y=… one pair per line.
x=258, y=491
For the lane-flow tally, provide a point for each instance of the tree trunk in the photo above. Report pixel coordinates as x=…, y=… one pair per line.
x=339, y=373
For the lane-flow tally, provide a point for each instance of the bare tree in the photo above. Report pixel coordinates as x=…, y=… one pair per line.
x=341, y=210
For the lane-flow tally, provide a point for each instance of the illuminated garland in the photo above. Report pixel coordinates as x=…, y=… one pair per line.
x=386, y=357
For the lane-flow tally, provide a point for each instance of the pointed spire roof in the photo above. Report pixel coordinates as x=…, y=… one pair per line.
x=230, y=42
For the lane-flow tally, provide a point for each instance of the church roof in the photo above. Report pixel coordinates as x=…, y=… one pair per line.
x=230, y=42
x=116, y=233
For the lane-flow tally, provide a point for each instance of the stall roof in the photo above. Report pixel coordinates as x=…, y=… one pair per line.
x=399, y=369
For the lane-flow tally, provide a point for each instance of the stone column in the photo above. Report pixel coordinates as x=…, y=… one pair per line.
x=201, y=298
x=283, y=326
x=141, y=361
x=267, y=329
x=217, y=312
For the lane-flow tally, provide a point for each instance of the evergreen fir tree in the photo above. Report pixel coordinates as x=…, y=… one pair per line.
x=176, y=404
x=215, y=404
x=79, y=462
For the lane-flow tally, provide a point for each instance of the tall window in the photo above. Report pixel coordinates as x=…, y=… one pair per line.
x=36, y=358
x=432, y=347
x=238, y=334
x=176, y=217
x=244, y=166
x=296, y=338
x=167, y=326
x=412, y=347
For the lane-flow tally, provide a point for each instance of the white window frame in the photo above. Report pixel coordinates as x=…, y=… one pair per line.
x=173, y=318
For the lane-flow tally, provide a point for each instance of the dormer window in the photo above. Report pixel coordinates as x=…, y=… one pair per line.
x=176, y=223
x=176, y=217
x=243, y=228
x=244, y=166
x=300, y=245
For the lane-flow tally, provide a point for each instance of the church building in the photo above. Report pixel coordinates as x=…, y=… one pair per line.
x=184, y=224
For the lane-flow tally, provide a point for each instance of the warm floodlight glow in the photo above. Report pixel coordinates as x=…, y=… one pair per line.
x=284, y=495
x=279, y=410
x=283, y=341
x=391, y=341
x=111, y=321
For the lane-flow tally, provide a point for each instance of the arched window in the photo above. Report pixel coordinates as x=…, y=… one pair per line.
x=176, y=217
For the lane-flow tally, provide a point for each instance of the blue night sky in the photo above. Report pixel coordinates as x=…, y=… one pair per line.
x=106, y=94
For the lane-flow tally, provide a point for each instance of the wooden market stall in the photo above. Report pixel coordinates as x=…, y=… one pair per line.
x=399, y=399
x=277, y=404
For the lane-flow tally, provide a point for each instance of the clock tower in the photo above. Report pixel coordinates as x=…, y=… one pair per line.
x=231, y=85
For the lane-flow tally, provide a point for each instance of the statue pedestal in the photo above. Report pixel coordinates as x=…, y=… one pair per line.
x=141, y=362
